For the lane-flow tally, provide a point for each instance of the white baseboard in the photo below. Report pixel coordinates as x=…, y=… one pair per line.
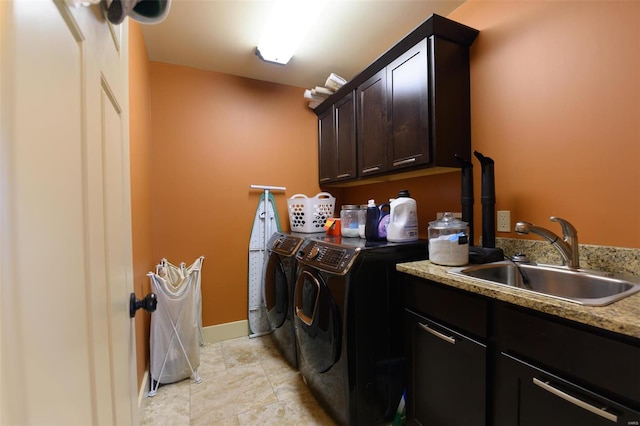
x=230, y=330
x=144, y=387
x=211, y=334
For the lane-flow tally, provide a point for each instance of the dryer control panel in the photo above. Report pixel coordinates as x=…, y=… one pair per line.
x=286, y=245
x=327, y=257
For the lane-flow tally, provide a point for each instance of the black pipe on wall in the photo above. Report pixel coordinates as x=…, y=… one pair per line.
x=488, y=200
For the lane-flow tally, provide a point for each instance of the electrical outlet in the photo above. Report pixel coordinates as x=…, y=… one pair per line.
x=504, y=221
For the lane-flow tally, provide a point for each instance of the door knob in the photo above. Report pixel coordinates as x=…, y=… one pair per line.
x=149, y=303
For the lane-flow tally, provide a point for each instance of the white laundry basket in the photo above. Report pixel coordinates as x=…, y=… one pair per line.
x=309, y=215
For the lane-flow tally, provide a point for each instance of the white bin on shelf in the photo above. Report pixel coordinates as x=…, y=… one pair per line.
x=308, y=215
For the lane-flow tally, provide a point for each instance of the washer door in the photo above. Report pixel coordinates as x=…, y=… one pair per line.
x=276, y=291
x=317, y=321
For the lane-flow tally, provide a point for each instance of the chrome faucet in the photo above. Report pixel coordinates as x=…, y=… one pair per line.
x=568, y=247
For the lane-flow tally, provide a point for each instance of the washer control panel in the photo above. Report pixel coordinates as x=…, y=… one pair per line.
x=286, y=245
x=327, y=257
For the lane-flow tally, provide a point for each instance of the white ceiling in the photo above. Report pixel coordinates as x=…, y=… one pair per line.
x=221, y=35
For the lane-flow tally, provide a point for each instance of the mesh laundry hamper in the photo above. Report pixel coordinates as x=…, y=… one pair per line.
x=175, y=325
x=175, y=274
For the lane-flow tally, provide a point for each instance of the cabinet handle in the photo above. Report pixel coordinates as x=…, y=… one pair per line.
x=437, y=334
x=407, y=161
x=344, y=175
x=371, y=169
x=575, y=401
x=325, y=179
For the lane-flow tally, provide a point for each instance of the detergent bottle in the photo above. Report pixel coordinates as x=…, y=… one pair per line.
x=403, y=220
x=371, y=225
x=383, y=222
x=377, y=220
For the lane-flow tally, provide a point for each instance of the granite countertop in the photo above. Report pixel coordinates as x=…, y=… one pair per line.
x=621, y=317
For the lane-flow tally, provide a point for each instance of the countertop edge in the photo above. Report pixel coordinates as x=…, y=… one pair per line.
x=622, y=317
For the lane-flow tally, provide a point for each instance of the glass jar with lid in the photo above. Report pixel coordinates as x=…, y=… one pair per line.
x=362, y=220
x=449, y=241
x=349, y=220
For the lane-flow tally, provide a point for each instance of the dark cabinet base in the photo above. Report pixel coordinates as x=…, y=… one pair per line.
x=448, y=383
x=472, y=360
x=530, y=396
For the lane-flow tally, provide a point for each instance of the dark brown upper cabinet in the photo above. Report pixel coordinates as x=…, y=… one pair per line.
x=372, y=125
x=327, y=146
x=412, y=109
x=408, y=109
x=337, y=141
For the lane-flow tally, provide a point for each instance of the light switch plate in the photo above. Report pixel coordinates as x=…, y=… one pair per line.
x=504, y=221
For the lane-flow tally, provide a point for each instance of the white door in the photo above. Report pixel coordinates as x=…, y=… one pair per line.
x=68, y=345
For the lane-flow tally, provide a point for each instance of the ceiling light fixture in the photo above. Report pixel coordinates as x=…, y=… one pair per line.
x=289, y=23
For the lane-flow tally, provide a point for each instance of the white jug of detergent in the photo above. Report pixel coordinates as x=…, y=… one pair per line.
x=403, y=221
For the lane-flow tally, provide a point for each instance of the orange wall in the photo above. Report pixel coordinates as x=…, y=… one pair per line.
x=140, y=156
x=214, y=135
x=437, y=193
x=555, y=101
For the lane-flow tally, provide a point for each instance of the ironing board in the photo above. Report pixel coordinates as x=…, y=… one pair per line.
x=265, y=224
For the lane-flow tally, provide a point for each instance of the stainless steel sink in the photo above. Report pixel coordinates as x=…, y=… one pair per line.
x=592, y=288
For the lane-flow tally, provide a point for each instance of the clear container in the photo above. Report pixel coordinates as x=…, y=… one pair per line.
x=449, y=241
x=362, y=220
x=350, y=220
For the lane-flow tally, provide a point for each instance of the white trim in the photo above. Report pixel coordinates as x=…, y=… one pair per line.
x=230, y=330
x=144, y=389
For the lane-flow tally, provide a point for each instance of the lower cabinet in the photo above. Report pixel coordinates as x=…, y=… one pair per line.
x=530, y=396
x=449, y=375
x=472, y=360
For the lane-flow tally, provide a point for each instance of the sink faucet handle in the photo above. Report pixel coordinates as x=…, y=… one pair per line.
x=522, y=227
x=568, y=230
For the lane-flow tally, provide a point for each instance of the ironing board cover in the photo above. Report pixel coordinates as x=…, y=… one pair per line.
x=174, y=336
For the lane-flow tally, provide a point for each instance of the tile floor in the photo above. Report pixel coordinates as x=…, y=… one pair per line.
x=244, y=382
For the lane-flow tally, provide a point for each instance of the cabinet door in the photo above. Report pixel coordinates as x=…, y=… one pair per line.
x=447, y=385
x=450, y=102
x=326, y=146
x=529, y=396
x=408, y=108
x=563, y=346
x=372, y=125
x=345, y=125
